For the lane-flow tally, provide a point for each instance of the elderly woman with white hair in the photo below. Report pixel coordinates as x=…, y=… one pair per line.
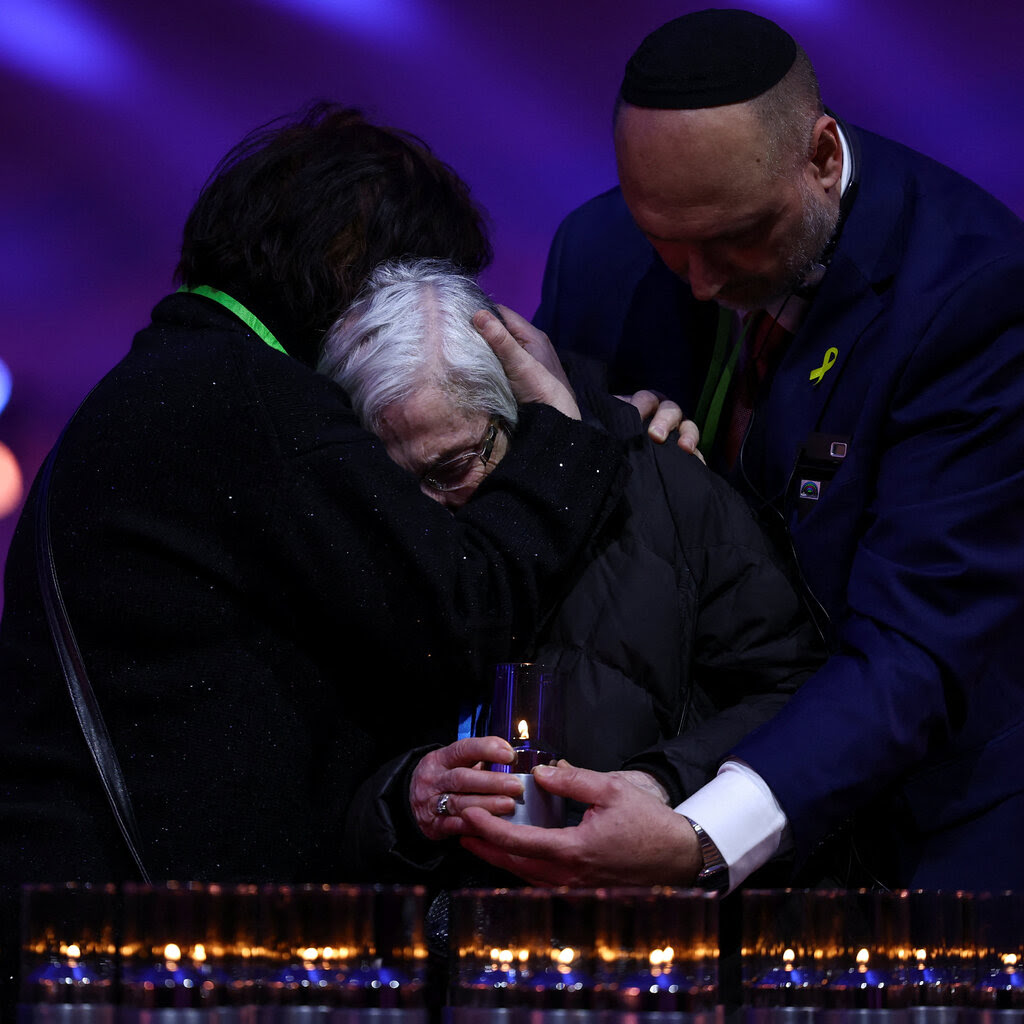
x=680, y=632
x=421, y=377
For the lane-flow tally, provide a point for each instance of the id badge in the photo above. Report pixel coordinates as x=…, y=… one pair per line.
x=818, y=461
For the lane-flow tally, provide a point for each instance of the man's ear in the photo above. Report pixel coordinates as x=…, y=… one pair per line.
x=826, y=156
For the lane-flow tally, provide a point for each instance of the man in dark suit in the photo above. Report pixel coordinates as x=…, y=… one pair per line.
x=873, y=419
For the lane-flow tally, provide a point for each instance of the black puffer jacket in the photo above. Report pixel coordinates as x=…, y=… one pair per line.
x=679, y=635
x=682, y=632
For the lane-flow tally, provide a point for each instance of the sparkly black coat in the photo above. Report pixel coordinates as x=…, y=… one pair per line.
x=268, y=607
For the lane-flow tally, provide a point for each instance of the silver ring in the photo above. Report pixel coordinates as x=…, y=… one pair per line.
x=442, y=805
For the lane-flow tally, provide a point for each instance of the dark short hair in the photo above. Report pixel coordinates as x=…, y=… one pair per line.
x=306, y=208
x=788, y=113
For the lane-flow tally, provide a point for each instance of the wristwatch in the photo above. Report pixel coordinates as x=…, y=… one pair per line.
x=714, y=876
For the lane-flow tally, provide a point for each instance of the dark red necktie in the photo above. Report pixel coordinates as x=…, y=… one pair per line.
x=765, y=341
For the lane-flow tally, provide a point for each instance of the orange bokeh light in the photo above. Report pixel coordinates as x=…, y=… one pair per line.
x=12, y=485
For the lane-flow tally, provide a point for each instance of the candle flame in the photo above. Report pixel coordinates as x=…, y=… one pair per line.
x=524, y=730
x=788, y=956
x=863, y=956
x=172, y=951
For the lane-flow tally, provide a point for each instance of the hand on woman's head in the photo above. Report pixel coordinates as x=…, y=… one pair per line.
x=518, y=346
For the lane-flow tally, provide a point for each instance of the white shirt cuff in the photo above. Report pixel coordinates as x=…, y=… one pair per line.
x=741, y=816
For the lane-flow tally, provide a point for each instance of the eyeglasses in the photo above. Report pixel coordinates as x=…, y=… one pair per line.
x=463, y=470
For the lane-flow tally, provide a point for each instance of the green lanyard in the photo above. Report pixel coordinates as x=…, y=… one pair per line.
x=716, y=383
x=250, y=320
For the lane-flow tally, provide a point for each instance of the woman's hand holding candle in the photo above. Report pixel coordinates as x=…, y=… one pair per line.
x=448, y=780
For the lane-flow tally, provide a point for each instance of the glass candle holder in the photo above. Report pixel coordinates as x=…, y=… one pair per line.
x=997, y=930
x=787, y=935
x=386, y=980
x=316, y=941
x=501, y=942
x=68, y=954
x=166, y=966
x=657, y=953
x=941, y=968
x=867, y=965
x=526, y=708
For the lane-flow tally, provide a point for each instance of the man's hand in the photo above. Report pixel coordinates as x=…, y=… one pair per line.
x=643, y=781
x=529, y=361
x=626, y=837
x=665, y=416
x=457, y=771
x=536, y=342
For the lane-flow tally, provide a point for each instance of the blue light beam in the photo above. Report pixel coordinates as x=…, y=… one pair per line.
x=64, y=44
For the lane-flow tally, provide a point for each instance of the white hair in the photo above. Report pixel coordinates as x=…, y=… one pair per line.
x=410, y=328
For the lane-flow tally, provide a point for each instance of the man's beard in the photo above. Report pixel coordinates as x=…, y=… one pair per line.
x=818, y=222
x=817, y=226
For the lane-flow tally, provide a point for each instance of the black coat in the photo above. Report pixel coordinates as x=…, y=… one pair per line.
x=268, y=607
x=680, y=633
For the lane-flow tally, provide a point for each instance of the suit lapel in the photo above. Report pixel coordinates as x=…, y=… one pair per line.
x=849, y=301
x=824, y=347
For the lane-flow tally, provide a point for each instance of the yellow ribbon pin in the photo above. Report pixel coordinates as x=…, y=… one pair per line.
x=818, y=372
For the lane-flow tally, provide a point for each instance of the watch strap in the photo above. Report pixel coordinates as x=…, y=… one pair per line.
x=714, y=875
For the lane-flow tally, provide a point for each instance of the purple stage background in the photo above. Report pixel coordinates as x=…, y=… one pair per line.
x=115, y=112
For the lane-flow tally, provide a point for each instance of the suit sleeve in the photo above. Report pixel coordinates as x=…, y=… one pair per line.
x=546, y=317
x=924, y=701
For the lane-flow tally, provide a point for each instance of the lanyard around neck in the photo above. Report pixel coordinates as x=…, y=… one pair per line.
x=248, y=318
x=718, y=379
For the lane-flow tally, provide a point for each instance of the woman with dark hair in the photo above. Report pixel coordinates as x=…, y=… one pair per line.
x=296, y=216
x=267, y=607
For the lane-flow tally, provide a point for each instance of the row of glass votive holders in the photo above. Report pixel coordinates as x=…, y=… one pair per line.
x=93, y=954
x=614, y=955
x=278, y=954
x=834, y=956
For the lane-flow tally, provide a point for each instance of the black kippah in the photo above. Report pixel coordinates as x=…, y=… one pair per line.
x=708, y=59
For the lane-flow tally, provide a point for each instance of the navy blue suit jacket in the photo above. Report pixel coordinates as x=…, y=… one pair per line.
x=915, y=727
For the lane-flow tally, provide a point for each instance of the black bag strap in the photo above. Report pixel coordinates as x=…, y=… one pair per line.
x=87, y=709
